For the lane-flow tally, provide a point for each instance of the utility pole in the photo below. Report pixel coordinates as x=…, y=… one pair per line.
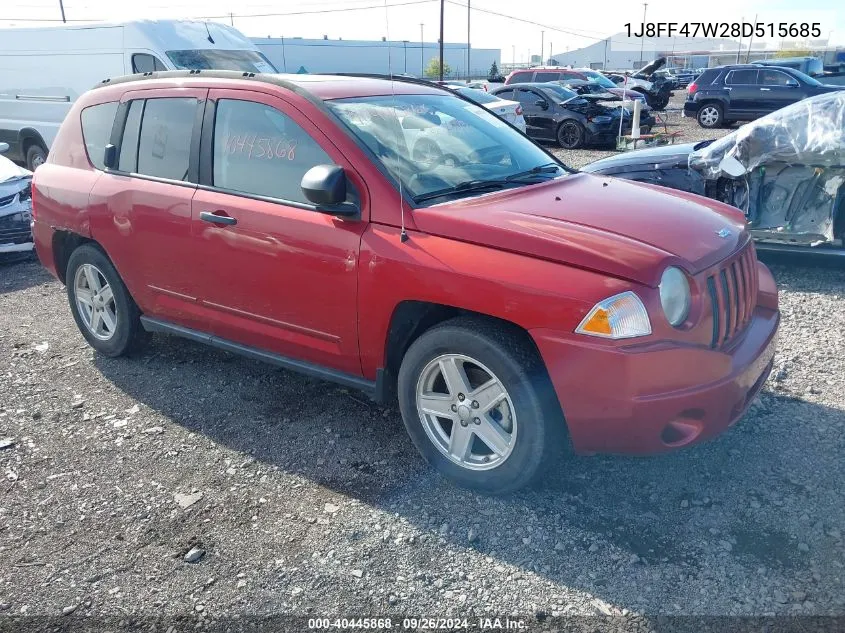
x=604, y=63
x=513, y=57
x=468, y=47
x=422, y=51
x=739, y=45
x=550, y=53
x=62, y=7
x=405, y=48
x=442, y=6
x=542, y=47
x=751, y=39
x=642, y=41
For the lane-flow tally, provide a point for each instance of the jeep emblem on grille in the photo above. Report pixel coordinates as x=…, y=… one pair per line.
x=724, y=233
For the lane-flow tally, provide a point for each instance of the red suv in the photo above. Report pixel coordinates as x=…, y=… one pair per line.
x=503, y=298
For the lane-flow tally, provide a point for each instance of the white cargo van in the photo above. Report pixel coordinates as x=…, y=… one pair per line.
x=44, y=70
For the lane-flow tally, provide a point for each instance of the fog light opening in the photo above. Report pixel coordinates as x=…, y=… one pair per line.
x=680, y=432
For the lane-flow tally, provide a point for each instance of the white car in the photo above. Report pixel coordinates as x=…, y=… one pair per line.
x=510, y=111
x=15, y=207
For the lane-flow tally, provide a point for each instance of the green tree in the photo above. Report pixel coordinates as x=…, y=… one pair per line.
x=494, y=74
x=432, y=71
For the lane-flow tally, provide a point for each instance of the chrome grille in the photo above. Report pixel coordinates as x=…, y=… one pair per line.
x=733, y=293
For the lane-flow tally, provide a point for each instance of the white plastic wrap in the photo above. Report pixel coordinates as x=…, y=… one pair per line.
x=810, y=132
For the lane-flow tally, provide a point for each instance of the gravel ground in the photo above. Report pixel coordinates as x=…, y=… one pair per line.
x=185, y=480
x=690, y=132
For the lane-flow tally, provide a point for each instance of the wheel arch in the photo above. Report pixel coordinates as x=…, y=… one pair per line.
x=63, y=245
x=411, y=319
x=28, y=136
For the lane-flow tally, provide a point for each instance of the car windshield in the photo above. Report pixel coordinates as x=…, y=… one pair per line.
x=207, y=59
x=563, y=93
x=599, y=79
x=440, y=147
x=479, y=96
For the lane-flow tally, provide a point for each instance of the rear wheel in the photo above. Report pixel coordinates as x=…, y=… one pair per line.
x=101, y=305
x=35, y=156
x=570, y=135
x=710, y=115
x=474, y=401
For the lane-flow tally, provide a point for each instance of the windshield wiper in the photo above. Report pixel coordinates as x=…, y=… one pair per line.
x=493, y=183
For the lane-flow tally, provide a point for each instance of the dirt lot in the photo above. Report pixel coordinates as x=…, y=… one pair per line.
x=295, y=496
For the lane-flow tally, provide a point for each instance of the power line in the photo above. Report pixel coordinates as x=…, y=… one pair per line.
x=227, y=16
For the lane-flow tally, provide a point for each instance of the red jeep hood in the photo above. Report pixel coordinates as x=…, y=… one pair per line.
x=622, y=228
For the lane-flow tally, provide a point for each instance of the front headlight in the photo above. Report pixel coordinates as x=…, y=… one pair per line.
x=602, y=118
x=619, y=316
x=675, y=297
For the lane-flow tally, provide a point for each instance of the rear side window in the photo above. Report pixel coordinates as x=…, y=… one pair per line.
x=707, y=77
x=542, y=77
x=520, y=77
x=97, y=123
x=741, y=78
x=505, y=94
x=164, y=146
x=143, y=63
x=259, y=150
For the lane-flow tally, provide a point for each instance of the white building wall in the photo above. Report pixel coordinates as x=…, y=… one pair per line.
x=359, y=56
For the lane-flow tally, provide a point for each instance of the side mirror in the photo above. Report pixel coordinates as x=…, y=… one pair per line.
x=4, y=147
x=110, y=156
x=325, y=186
x=732, y=167
x=540, y=103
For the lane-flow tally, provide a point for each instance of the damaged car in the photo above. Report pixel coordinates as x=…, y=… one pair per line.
x=656, y=88
x=785, y=171
x=15, y=209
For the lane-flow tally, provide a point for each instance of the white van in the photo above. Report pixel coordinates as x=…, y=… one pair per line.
x=44, y=70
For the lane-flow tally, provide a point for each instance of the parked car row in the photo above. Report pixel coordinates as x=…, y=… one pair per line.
x=489, y=290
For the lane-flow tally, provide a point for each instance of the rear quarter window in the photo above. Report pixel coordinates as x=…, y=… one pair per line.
x=543, y=77
x=97, y=122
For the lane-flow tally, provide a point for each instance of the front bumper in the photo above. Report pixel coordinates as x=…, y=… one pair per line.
x=15, y=231
x=656, y=397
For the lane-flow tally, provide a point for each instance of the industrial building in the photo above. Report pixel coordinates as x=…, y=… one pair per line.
x=296, y=54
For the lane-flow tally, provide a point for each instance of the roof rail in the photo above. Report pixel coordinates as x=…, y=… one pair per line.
x=389, y=77
x=182, y=74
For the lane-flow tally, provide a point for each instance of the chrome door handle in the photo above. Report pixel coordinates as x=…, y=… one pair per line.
x=208, y=216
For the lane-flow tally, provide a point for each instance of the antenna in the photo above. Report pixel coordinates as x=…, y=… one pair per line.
x=403, y=235
x=210, y=39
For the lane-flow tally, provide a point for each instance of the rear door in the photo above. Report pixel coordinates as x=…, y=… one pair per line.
x=745, y=96
x=141, y=210
x=778, y=89
x=276, y=274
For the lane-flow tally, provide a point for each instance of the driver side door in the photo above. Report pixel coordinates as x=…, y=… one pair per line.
x=276, y=274
x=539, y=123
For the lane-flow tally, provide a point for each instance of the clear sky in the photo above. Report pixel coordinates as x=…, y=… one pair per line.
x=567, y=24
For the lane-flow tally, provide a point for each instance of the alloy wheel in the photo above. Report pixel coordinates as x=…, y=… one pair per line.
x=709, y=116
x=466, y=412
x=95, y=302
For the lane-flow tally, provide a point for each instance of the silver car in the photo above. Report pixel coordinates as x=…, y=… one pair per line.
x=15, y=208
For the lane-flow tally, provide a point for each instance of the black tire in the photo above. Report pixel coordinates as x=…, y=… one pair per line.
x=710, y=115
x=570, y=134
x=513, y=361
x=128, y=333
x=35, y=156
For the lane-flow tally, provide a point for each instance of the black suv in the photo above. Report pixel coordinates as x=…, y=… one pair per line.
x=745, y=92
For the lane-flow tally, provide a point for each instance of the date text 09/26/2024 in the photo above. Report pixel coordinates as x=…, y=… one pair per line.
x=416, y=624
x=724, y=29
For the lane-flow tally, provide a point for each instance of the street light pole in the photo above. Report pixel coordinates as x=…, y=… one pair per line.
x=642, y=41
x=62, y=7
x=405, y=48
x=442, y=6
x=469, y=73
x=422, y=51
x=542, y=47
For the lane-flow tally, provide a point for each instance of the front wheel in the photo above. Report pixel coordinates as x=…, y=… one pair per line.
x=570, y=135
x=474, y=399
